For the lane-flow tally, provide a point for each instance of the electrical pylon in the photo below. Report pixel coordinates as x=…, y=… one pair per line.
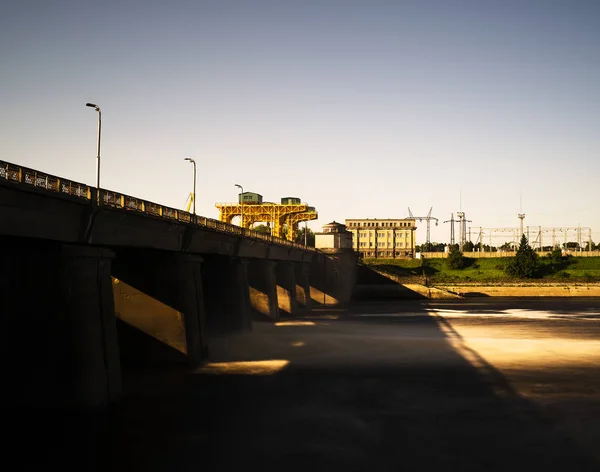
x=427, y=218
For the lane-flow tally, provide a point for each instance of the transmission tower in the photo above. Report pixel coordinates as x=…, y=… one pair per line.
x=462, y=220
x=427, y=218
x=521, y=217
x=451, y=221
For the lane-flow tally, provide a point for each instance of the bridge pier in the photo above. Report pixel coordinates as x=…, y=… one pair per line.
x=169, y=304
x=286, y=287
x=262, y=279
x=302, y=273
x=226, y=294
x=60, y=345
x=90, y=310
x=333, y=277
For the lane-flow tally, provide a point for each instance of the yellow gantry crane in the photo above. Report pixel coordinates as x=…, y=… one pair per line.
x=283, y=218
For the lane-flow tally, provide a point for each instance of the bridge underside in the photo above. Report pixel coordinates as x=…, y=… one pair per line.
x=77, y=315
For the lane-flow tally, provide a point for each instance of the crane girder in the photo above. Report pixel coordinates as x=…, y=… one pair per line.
x=291, y=222
x=278, y=214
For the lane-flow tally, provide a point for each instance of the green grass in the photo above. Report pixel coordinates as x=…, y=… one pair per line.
x=491, y=270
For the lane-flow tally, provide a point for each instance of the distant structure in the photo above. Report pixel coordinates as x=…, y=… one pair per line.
x=521, y=218
x=451, y=221
x=334, y=236
x=282, y=218
x=389, y=238
x=538, y=237
x=427, y=218
x=462, y=228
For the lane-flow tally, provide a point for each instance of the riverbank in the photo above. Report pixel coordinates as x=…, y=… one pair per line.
x=406, y=290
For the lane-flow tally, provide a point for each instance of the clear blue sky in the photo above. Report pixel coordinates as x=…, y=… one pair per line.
x=360, y=108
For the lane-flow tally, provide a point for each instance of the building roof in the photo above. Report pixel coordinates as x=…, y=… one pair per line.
x=334, y=227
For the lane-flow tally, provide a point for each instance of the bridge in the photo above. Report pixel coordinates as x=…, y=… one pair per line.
x=89, y=278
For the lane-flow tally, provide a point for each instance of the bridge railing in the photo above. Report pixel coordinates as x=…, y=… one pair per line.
x=32, y=178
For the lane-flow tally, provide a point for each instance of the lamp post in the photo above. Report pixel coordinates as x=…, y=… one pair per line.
x=194, y=191
x=241, y=205
x=97, y=108
x=305, y=231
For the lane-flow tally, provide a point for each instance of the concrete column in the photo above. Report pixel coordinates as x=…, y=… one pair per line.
x=169, y=306
x=262, y=280
x=89, y=309
x=302, y=271
x=318, y=281
x=286, y=287
x=227, y=295
x=333, y=277
x=190, y=298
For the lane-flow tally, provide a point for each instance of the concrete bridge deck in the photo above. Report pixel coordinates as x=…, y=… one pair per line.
x=489, y=384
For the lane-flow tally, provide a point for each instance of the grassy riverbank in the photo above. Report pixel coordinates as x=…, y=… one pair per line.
x=490, y=270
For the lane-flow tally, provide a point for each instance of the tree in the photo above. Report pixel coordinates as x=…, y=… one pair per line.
x=555, y=255
x=525, y=263
x=310, y=237
x=456, y=260
x=262, y=229
x=468, y=246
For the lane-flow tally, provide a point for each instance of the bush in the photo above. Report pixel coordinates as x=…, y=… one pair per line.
x=456, y=260
x=555, y=255
x=525, y=263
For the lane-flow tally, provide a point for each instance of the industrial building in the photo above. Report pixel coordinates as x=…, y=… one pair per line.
x=383, y=237
x=334, y=236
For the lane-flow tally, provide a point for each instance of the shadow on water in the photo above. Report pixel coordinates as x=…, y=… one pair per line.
x=380, y=388
x=361, y=407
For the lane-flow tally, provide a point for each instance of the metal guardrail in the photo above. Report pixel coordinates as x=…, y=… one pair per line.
x=32, y=178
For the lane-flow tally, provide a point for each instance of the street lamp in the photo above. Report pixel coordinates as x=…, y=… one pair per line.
x=97, y=108
x=305, y=231
x=194, y=192
x=241, y=205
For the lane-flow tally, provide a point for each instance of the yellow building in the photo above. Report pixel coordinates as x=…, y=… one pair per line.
x=383, y=238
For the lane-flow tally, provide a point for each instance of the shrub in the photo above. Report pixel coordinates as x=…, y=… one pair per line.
x=456, y=260
x=525, y=263
x=555, y=255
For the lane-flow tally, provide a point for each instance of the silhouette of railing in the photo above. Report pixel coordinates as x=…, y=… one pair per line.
x=26, y=177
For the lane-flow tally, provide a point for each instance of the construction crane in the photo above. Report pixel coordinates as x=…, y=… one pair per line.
x=189, y=202
x=427, y=218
